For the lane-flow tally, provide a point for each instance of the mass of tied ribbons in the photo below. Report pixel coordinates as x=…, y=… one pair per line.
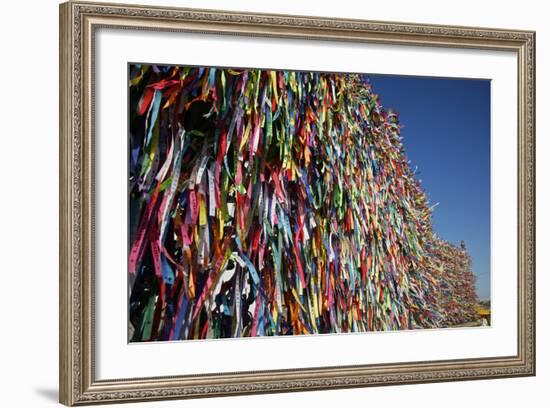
x=268, y=202
x=457, y=297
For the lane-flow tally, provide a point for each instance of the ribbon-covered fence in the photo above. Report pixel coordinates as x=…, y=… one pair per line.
x=268, y=202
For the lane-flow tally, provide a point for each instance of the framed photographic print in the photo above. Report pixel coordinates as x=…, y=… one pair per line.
x=262, y=203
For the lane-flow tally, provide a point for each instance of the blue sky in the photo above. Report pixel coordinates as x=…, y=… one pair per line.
x=446, y=133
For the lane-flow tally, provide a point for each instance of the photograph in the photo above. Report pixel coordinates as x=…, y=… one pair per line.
x=269, y=202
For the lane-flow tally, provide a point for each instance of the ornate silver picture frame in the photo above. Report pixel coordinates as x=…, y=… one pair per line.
x=78, y=25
